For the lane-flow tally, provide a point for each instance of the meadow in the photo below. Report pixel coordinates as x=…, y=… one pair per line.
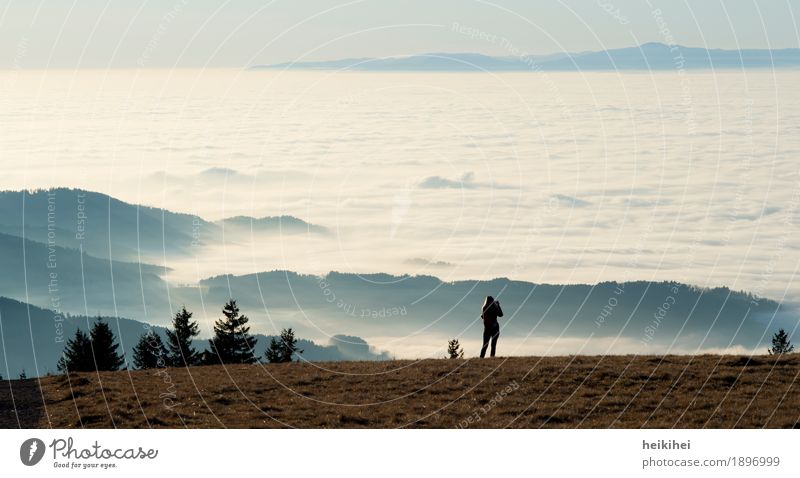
x=703, y=391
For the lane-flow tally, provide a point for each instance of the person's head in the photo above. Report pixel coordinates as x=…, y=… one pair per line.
x=489, y=301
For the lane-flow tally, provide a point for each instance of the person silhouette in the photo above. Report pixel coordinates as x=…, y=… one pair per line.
x=491, y=328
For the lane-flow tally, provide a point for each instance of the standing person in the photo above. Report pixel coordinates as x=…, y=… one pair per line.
x=491, y=328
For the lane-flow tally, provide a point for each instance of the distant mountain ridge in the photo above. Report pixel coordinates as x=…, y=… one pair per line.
x=383, y=304
x=46, y=274
x=106, y=227
x=648, y=56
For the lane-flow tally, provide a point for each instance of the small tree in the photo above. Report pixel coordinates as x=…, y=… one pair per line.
x=23, y=375
x=104, y=347
x=454, y=350
x=179, y=340
x=273, y=353
x=149, y=352
x=232, y=342
x=283, y=349
x=781, y=344
x=77, y=354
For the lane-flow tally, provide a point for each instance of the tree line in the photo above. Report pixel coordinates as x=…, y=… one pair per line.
x=231, y=343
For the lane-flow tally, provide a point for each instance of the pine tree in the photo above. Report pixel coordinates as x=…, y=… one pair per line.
x=104, y=347
x=274, y=354
x=179, y=340
x=150, y=352
x=454, y=350
x=781, y=344
x=232, y=342
x=283, y=349
x=77, y=354
x=23, y=375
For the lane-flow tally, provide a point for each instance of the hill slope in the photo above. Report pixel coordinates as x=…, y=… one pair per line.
x=108, y=228
x=582, y=391
x=64, y=278
x=104, y=226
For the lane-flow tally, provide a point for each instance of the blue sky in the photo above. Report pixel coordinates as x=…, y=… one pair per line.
x=193, y=33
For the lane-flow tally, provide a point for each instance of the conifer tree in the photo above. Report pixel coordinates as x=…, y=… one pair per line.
x=77, y=354
x=232, y=342
x=23, y=375
x=283, y=349
x=781, y=344
x=273, y=353
x=454, y=350
x=104, y=347
x=150, y=352
x=179, y=340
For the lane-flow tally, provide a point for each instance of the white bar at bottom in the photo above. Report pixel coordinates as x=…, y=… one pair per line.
x=404, y=453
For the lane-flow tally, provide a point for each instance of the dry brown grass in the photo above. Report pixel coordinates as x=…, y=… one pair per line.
x=595, y=392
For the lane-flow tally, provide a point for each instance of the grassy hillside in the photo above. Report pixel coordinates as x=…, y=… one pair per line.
x=616, y=391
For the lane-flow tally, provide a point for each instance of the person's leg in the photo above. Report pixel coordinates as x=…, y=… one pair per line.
x=487, y=335
x=495, y=335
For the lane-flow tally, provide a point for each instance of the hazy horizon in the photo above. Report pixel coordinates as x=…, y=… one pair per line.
x=509, y=52
x=199, y=34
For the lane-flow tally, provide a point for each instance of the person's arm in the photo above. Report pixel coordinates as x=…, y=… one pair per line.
x=499, y=310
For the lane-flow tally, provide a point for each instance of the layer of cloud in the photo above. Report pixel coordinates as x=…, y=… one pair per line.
x=571, y=201
x=466, y=181
x=419, y=261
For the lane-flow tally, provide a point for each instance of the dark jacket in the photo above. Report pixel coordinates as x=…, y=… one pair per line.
x=491, y=313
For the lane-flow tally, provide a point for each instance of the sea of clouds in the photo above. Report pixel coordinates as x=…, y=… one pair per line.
x=547, y=177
